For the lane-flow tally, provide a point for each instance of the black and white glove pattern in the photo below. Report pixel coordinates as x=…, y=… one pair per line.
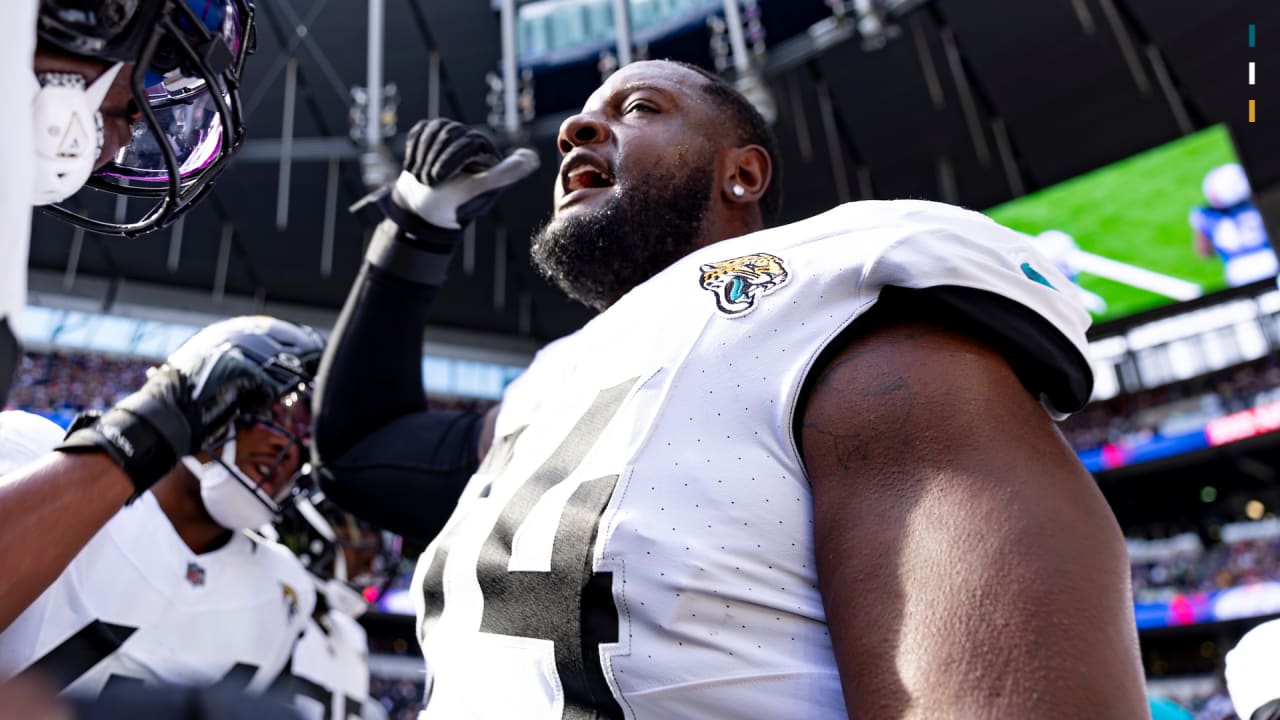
x=453, y=173
x=172, y=415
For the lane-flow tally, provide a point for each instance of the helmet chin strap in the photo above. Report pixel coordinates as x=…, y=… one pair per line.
x=229, y=501
x=67, y=132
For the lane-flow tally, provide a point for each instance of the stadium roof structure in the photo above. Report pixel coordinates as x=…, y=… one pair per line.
x=971, y=101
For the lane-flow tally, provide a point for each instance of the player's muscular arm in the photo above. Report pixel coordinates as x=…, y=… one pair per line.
x=49, y=510
x=382, y=454
x=969, y=566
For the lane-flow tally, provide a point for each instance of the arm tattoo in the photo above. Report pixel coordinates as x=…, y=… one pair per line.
x=870, y=382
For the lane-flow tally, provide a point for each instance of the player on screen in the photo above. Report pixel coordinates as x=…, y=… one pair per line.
x=130, y=97
x=802, y=471
x=1230, y=227
x=171, y=590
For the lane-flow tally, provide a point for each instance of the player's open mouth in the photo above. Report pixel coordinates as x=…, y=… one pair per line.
x=582, y=175
x=264, y=476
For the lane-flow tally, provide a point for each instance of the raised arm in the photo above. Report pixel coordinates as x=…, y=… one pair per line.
x=381, y=452
x=969, y=565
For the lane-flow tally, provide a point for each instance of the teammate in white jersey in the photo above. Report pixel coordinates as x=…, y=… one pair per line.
x=330, y=668
x=218, y=605
x=808, y=471
x=134, y=98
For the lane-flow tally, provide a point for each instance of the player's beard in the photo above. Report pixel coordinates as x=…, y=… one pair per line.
x=596, y=257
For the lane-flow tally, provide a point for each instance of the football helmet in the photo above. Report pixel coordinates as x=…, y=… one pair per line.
x=1226, y=186
x=186, y=59
x=244, y=489
x=350, y=560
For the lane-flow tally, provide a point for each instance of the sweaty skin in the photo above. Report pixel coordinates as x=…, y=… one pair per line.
x=968, y=569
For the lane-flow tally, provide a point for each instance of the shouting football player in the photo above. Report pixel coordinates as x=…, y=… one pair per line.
x=803, y=471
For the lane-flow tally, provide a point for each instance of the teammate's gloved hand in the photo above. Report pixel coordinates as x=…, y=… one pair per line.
x=173, y=414
x=453, y=174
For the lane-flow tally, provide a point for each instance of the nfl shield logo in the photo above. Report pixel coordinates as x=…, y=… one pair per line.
x=195, y=574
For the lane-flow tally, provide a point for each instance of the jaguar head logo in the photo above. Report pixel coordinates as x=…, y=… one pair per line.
x=290, y=599
x=738, y=284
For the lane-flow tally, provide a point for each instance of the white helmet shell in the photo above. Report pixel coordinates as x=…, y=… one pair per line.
x=67, y=133
x=1226, y=185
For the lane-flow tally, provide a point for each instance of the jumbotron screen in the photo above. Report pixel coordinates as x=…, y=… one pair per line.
x=1167, y=225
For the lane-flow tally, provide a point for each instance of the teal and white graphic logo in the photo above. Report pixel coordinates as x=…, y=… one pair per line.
x=738, y=284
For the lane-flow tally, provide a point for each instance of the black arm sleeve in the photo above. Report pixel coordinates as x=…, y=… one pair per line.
x=406, y=476
x=371, y=372
x=379, y=452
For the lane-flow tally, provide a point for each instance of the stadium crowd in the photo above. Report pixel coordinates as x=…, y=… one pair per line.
x=58, y=385
x=61, y=384
x=1175, y=409
x=1248, y=554
x=400, y=697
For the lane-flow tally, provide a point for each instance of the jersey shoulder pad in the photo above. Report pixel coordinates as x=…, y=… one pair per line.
x=285, y=567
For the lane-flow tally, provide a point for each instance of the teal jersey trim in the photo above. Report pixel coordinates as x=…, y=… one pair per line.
x=1035, y=275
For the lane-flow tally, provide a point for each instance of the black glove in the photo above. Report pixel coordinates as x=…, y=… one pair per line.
x=173, y=415
x=452, y=175
x=83, y=419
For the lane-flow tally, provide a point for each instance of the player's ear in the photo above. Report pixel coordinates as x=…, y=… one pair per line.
x=748, y=170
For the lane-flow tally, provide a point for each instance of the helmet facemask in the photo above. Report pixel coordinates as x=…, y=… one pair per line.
x=184, y=82
x=255, y=464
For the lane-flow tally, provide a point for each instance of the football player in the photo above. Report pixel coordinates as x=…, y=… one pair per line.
x=803, y=471
x=329, y=675
x=1230, y=227
x=171, y=590
x=130, y=97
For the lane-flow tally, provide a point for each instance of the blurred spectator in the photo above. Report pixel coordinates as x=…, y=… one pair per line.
x=1216, y=707
x=59, y=385
x=1175, y=409
x=400, y=697
x=1180, y=565
x=63, y=384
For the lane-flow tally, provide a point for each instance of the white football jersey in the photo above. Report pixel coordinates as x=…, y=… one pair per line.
x=331, y=669
x=137, y=605
x=638, y=543
x=26, y=437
